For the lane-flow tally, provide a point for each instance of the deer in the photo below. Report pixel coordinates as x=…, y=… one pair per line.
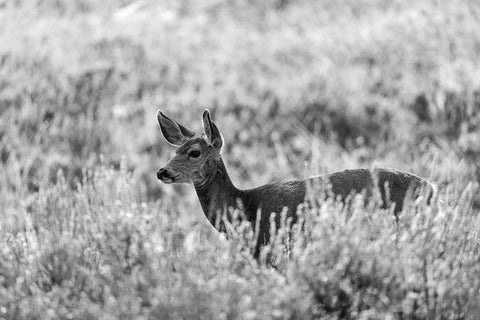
x=198, y=161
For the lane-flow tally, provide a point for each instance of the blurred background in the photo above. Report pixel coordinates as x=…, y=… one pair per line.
x=297, y=87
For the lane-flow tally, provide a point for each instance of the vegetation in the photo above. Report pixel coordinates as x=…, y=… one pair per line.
x=297, y=88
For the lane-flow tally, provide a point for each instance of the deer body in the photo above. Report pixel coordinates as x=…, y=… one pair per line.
x=198, y=160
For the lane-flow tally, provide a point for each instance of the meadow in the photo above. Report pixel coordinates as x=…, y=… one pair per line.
x=297, y=88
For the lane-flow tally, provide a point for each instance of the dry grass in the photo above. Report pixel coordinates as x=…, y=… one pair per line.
x=296, y=87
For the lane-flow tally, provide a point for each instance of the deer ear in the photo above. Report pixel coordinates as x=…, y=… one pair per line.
x=175, y=133
x=214, y=137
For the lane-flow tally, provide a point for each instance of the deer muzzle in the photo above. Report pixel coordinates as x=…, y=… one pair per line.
x=165, y=176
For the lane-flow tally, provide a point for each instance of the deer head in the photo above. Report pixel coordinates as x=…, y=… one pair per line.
x=197, y=155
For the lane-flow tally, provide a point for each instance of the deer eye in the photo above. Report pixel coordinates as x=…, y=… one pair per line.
x=194, y=154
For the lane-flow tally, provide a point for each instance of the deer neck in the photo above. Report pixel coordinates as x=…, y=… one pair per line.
x=218, y=194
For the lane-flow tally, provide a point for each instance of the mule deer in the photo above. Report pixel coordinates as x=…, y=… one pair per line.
x=198, y=161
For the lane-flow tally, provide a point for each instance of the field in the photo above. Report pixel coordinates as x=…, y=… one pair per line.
x=297, y=88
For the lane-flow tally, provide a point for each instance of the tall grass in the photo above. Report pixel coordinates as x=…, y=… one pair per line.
x=100, y=252
x=296, y=87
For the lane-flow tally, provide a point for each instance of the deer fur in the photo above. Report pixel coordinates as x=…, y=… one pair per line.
x=198, y=161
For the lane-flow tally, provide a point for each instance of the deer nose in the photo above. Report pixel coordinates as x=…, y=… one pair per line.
x=162, y=174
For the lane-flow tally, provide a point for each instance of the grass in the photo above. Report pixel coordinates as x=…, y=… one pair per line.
x=296, y=88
